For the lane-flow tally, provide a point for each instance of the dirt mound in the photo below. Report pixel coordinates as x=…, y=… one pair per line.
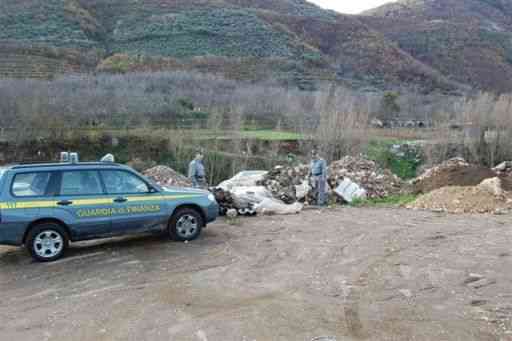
x=487, y=197
x=166, y=176
x=454, y=172
x=378, y=183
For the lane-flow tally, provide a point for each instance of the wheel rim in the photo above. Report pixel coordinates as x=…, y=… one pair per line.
x=48, y=244
x=187, y=226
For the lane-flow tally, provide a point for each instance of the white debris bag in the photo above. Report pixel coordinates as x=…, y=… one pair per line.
x=246, y=196
x=350, y=191
x=302, y=190
x=242, y=179
x=275, y=207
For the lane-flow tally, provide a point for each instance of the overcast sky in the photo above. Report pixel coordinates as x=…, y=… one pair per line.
x=349, y=6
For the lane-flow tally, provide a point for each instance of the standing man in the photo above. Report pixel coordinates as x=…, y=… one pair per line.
x=196, y=171
x=318, y=178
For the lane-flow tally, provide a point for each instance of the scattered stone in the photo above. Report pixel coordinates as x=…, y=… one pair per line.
x=232, y=213
x=166, y=176
x=406, y=292
x=478, y=303
x=473, y=278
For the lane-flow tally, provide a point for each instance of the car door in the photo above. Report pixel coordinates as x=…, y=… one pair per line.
x=82, y=200
x=137, y=205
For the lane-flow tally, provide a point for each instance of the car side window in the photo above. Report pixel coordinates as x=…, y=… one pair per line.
x=80, y=183
x=121, y=182
x=30, y=184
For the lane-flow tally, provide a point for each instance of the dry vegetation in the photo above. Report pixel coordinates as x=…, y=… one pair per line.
x=227, y=117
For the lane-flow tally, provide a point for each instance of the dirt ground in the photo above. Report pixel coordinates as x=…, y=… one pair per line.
x=352, y=274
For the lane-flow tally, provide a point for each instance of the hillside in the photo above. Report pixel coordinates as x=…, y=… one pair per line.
x=292, y=41
x=470, y=41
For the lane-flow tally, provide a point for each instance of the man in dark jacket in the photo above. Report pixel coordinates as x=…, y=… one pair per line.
x=319, y=178
x=196, y=171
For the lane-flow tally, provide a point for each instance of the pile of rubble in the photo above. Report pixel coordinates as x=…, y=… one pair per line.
x=377, y=182
x=287, y=183
x=504, y=168
x=454, y=172
x=225, y=200
x=166, y=176
x=486, y=197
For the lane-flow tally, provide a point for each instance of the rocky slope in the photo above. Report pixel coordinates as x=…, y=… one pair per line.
x=469, y=41
x=289, y=40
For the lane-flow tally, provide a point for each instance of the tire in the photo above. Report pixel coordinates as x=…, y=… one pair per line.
x=185, y=225
x=47, y=242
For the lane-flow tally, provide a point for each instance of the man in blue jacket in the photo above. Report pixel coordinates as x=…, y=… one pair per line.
x=318, y=178
x=196, y=171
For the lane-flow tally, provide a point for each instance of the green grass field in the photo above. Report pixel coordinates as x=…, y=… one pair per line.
x=203, y=134
x=396, y=201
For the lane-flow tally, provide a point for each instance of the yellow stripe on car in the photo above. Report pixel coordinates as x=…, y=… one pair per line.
x=90, y=202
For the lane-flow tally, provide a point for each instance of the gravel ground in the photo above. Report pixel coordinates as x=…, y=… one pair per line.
x=353, y=274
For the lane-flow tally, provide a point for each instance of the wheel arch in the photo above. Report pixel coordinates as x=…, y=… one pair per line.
x=46, y=221
x=195, y=207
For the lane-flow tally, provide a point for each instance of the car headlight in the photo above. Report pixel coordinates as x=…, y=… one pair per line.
x=211, y=197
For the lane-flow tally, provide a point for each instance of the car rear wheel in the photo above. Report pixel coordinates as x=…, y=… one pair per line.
x=186, y=224
x=47, y=242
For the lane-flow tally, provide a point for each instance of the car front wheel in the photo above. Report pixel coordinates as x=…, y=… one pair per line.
x=47, y=242
x=185, y=225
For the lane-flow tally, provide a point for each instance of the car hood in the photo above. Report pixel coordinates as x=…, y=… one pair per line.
x=174, y=190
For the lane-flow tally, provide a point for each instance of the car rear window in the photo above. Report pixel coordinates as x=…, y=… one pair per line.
x=30, y=184
x=81, y=183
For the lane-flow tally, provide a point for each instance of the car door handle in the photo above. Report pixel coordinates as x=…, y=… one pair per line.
x=64, y=203
x=120, y=200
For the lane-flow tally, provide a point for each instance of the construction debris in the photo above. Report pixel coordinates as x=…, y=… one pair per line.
x=350, y=191
x=241, y=199
x=246, y=198
x=377, y=183
x=243, y=179
x=166, y=176
x=286, y=182
x=503, y=168
x=454, y=172
x=232, y=213
x=225, y=200
x=487, y=197
x=273, y=206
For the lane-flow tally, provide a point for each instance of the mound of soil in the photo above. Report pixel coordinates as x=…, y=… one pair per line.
x=487, y=197
x=454, y=172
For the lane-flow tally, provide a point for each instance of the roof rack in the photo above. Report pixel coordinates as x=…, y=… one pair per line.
x=61, y=164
